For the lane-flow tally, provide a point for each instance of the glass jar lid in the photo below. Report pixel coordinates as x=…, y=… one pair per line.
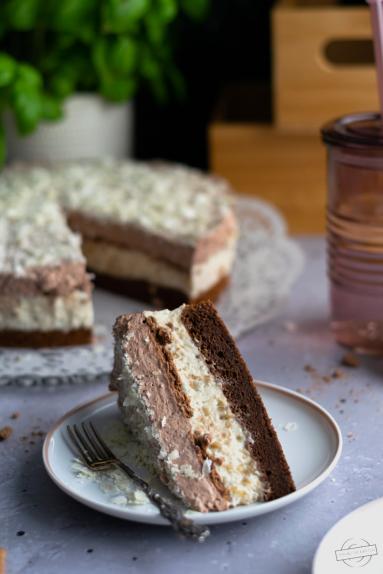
x=355, y=130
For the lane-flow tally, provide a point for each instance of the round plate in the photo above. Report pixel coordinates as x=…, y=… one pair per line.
x=355, y=541
x=310, y=437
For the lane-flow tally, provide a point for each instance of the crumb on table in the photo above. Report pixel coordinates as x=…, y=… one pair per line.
x=3, y=555
x=350, y=360
x=337, y=374
x=5, y=433
x=309, y=369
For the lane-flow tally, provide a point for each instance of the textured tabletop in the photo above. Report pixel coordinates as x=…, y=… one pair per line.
x=46, y=532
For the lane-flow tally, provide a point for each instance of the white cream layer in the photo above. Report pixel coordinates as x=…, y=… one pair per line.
x=212, y=415
x=171, y=200
x=39, y=313
x=103, y=257
x=33, y=229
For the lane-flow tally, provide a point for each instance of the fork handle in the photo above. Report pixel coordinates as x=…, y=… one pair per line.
x=185, y=526
x=169, y=510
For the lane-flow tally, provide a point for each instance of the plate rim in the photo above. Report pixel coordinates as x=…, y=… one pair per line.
x=230, y=515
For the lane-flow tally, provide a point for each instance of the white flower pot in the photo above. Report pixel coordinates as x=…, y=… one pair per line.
x=90, y=128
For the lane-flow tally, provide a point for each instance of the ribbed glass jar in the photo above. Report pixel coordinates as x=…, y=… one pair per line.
x=355, y=230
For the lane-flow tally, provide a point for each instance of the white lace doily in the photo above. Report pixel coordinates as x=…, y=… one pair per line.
x=266, y=266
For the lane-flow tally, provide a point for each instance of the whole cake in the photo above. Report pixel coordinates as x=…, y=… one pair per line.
x=164, y=234
x=159, y=233
x=45, y=292
x=188, y=397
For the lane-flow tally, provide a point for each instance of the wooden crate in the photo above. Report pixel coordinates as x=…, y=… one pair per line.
x=286, y=169
x=308, y=88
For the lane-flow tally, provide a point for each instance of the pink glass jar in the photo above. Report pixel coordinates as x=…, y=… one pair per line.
x=355, y=230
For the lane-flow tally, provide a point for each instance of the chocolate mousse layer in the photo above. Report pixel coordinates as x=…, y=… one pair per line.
x=212, y=338
x=173, y=445
x=58, y=281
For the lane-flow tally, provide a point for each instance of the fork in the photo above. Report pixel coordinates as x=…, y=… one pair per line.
x=97, y=456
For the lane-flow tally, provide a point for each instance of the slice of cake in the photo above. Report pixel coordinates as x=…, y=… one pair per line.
x=161, y=233
x=188, y=397
x=45, y=292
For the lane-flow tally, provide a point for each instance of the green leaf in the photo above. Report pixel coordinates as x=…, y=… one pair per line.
x=156, y=29
x=51, y=107
x=113, y=62
x=122, y=55
x=29, y=76
x=118, y=90
x=26, y=103
x=22, y=14
x=166, y=9
x=120, y=16
x=7, y=69
x=196, y=9
x=62, y=83
x=73, y=15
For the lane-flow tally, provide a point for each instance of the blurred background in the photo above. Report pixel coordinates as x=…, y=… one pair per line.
x=240, y=87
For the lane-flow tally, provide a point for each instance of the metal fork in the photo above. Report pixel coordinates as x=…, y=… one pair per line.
x=97, y=456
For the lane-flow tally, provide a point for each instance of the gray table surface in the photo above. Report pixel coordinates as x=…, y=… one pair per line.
x=46, y=532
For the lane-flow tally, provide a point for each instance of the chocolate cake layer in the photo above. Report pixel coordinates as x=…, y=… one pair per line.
x=154, y=294
x=36, y=339
x=224, y=360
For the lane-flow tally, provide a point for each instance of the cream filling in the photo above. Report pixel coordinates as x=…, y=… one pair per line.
x=104, y=257
x=212, y=415
x=206, y=274
x=42, y=313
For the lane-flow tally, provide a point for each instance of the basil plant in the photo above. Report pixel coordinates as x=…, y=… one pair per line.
x=50, y=49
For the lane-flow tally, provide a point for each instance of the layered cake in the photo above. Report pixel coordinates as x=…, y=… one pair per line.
x=163, y=234
x=45, y=292
x=188, y=397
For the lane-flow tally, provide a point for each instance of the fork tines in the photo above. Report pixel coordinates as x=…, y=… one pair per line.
x=91, y=447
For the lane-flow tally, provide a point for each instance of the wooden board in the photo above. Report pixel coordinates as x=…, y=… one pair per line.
x=286, y=169
x=308, y=89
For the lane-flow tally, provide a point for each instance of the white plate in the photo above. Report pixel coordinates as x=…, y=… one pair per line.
x=310, y=437
x=355, y=541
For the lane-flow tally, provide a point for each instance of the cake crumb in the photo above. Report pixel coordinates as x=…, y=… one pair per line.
x=206, y=467
x=309, y=369
x=15, y=415
x=350, y=360
x=291, y=426
x=3, y=556
x=173, y=455
x=337, y=374
x=5, y=433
